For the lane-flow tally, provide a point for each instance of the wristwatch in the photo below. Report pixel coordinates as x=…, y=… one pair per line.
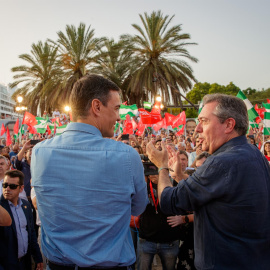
x=186, y=219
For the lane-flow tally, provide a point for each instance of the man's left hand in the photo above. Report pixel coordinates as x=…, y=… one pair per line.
x=159, y=158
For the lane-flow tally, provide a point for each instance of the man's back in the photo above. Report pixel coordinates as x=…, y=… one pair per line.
x=87, y=187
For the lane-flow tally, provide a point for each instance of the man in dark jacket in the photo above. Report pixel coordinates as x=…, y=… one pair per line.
x=18, y=241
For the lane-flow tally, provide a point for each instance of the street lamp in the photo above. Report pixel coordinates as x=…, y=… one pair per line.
x=19, y=99
x=158, y=98
x=67, y=108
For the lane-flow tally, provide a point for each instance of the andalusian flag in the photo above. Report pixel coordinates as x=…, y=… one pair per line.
x=252, y=114
x=60, y=130
x=266, y=123
x=118, y=126
x=266, y=106
x=253, y=124
x=41, y=125
x=147, y=105
x=132, y=110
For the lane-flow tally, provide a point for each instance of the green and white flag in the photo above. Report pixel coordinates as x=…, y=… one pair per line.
x=266, y=106
x=147, y=105
x=118, y=126
x=266, y=123
x=132, y=110
x=252, y=114
x=41, y=126
x=253, y=124
x=60, y=130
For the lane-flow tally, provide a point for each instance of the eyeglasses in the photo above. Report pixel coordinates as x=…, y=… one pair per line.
x=11, y=186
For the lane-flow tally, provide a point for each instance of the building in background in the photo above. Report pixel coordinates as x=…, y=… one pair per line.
x=7, y=104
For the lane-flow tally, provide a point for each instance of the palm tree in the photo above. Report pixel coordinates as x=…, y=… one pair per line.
x=77, y=48
x=114, y=62
x=39, y=77
x=160, y=53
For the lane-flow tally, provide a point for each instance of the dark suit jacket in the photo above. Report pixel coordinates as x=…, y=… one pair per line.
x=9, y=243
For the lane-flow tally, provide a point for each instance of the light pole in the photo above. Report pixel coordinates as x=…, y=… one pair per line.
x=20, y=109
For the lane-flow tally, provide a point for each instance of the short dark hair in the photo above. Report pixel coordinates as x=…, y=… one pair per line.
x=182, y=152
x=159, y=140
x=14, y=174
x=85, y=90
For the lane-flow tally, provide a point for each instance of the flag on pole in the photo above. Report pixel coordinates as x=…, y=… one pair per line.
x=266, y=123
x=147, y=105
x=132, y=110
x=159, y=125
x=253, y=124
x=41, y=125
x=49, y=130
x=149, y=118
x=181, y=131
x=266, y=106
x=134, y=124
x=60, y=130
x=29, y=119
x=179, y=120
x=16, y=127
x=252, y=114
x=169, y=118
x=8, y=139
x=3, y=130
x=128, y=128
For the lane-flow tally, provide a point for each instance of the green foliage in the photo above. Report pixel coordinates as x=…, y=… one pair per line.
x=257, y=97
x=159, y=54
x=201, y=89
x=191, y=113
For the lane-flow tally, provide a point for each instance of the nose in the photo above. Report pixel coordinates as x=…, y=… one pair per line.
x=198, y=128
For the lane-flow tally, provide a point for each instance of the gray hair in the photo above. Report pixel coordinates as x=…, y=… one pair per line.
x=230, y=107
x=4, y=158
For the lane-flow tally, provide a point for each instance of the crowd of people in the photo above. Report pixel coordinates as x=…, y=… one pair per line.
x=88, y=198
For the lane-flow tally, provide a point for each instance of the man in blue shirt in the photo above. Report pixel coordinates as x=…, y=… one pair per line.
x=87, y=186
x=18, y=241
x=229, y=193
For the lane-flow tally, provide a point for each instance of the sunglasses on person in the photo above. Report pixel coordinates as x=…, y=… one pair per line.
x=11, y=186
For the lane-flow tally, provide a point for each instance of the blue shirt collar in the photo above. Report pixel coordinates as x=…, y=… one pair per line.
x=81, y=127
x=233, y=142
x=18, y=205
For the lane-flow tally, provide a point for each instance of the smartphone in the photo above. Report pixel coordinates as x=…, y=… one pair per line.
x=125, y=137
x=34, y=142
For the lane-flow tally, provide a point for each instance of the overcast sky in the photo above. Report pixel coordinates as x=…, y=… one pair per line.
x=232, y=35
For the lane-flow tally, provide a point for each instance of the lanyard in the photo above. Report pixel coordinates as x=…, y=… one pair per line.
x=153, y=197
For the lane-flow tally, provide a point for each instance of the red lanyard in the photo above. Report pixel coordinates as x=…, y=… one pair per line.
x=153, y=197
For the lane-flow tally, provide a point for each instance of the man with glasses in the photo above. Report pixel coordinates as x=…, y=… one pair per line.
x=18, y=241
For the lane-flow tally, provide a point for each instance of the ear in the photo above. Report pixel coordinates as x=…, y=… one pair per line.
x=21, y=188
x=230, y=124
x=96, y=107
